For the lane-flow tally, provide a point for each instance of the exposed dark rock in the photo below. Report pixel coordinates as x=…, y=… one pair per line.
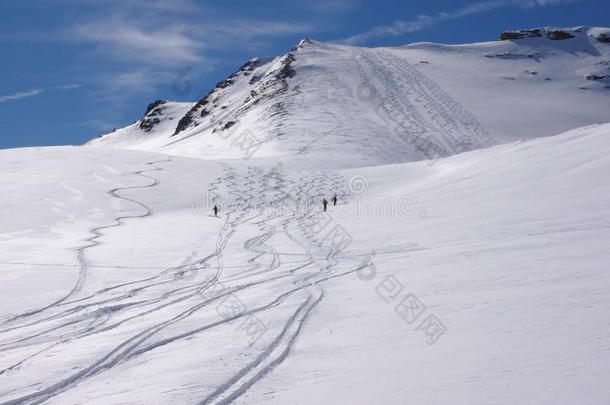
x=224, y=84
x=594, y=76
x=603, y=37
x=188, y=118
x=519, y=34
x=250, y=65
x=148, y=124
x=150, y=120
x=286, y=71
x=154, y=105
x=254, y=79
x=212, y=100
x=558, y=35
x=509, y=36
x=514, y=55
x=554, y=35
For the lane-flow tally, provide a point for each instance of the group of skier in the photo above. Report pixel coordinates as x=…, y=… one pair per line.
x=325, y=202
x=215, y=210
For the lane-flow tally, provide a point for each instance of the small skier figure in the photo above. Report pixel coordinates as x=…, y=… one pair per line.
x=335, y=200
x=215, y=209
x=324, y=203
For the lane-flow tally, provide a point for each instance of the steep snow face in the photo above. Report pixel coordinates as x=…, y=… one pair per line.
x=391, y=105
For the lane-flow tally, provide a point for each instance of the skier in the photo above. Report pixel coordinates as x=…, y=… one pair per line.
x=215, y=209
x=335, y=200
x=324, y=203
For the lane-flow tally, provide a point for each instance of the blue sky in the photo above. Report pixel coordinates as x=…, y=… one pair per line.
x=74, y=69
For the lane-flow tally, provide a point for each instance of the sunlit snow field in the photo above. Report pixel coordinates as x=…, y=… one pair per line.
x=477, y=278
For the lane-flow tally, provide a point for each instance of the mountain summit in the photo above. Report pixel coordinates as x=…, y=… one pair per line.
x=388, y=105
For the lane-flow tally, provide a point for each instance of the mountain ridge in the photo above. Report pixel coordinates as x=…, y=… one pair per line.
x=387, y=105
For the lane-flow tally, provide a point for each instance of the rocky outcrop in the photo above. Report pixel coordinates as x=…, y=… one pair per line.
x=189, y=117
x=151, y=116
x=520, y=34
x=559, y=35
x=204, y=106
x=286, y=71
x=552, y=34
x=596, y=77
x=603, y=37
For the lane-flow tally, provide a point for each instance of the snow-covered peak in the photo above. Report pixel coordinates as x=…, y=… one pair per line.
x=387, y=105
x=306, y=41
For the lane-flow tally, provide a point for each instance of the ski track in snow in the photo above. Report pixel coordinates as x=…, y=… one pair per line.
x=69, y=320
x=427, y=117
x=97, y=233
x=138, y=319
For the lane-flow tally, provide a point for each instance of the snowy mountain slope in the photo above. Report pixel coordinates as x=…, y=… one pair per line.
x=477, y=278
x=528, y=87
x=390, y=105
x=118, y=287
x=160, y=118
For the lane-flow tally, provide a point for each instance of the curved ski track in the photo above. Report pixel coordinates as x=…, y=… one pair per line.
x=73, y=318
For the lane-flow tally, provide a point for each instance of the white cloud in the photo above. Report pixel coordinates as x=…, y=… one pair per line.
x=123, y=40
x=21, y=94
x=165, y=33
x=137, y=46
x=71, y=86
x=35, y=92
x=114, y=86
x=424, y=21
x=534, y=3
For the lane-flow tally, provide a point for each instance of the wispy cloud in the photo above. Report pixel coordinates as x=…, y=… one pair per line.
x=141, y=43
x=127, y=50
x=424, y=21
x=165, y=33
x=71, y=86
x=20, y=95
x=120, y=39
x=34, y=92
x=533, y=3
